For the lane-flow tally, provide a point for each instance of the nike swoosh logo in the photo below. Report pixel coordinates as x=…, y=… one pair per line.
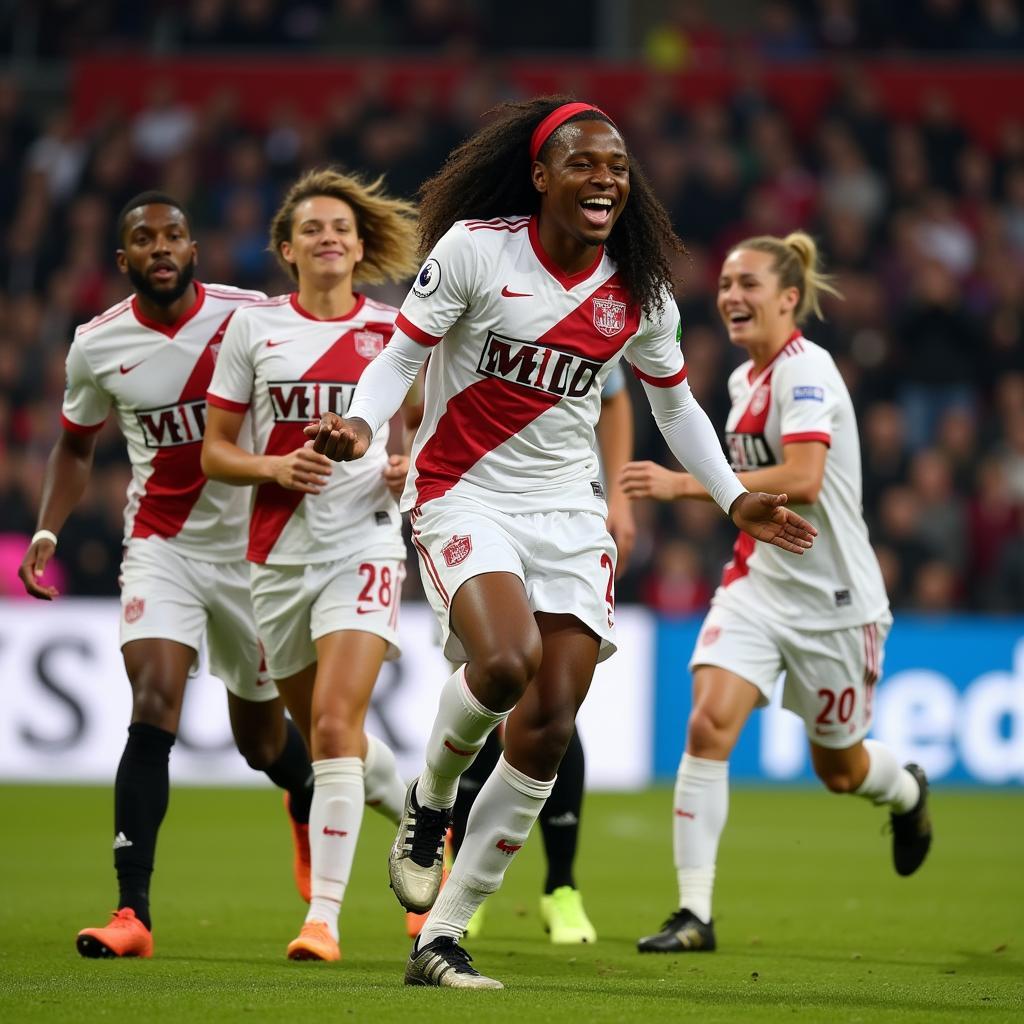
x=515, y=295
x=334, y=832
x=274, y=344
x=128, y=369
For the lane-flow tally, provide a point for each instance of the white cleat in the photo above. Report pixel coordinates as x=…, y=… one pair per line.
x=416, y=861
x=443, y=963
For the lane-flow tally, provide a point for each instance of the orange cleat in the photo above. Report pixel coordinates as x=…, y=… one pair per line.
x=414, y=922
x=126, y=935
x=300, y=863
x=314, y=943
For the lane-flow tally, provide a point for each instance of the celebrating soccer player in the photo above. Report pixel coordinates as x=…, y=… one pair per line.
x=150, y=359
x=547, y=261
x=822, y=619
x=325, y=541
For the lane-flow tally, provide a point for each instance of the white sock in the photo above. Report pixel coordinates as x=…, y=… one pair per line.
x=460, y=728
x=501, y=819
x=699, y=813
x=334, y=821
x=385, y=791
x=886, y=782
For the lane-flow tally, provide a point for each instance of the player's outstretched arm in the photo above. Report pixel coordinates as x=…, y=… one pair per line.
x=67, y=473
x=379, y=395
x=693, y=442
x=765, y=518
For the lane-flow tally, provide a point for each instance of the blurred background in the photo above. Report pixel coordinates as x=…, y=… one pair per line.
x=893, y=132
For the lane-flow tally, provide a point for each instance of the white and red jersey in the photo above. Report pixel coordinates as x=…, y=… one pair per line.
x=801, y=397
x=290, y=367
x=513, y=394
x=155, y=377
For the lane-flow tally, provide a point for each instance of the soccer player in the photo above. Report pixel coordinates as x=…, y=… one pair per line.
x=150, y=359
x=561, y=904
x=325, y=542
x=822, y=619
x=547, y=262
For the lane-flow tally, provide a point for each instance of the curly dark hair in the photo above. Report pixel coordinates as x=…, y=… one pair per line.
x=488, y=176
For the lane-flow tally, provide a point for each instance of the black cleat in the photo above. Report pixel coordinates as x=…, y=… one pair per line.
x=912, y=831
x=683, y=932
x=443, y=963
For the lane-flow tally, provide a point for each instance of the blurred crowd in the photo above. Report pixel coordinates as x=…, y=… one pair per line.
x=922, y=225
x=669, y=33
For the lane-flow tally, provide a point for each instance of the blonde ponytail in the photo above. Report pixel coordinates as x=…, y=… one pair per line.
x=797, y=265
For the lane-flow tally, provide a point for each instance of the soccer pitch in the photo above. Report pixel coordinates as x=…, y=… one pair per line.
x=812, y=922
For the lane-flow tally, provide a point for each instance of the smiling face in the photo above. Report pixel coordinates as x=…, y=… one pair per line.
x=325, y=242
x=755, y=310
x=583, y=180
x=159, y=255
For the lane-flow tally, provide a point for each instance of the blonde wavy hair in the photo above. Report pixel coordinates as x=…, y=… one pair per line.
x=797, y=265
x=386, y=226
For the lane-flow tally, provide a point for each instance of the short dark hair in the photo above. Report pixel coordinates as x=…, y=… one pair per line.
x=149, y=198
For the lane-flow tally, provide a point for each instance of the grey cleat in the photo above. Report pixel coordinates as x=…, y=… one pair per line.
x=416, y=861
x=683, y=932
x=443, y=963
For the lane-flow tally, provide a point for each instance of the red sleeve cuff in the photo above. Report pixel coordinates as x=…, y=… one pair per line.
x=78, y=428
x=226, y=403
x=662, y=382
x=811, y=435
x=406, y=327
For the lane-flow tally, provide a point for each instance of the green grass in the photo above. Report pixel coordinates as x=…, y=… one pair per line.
x=813, y=925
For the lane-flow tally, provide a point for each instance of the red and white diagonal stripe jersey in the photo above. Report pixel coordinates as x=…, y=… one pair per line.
x=155, y=378
x=290, y=367
x=513, y=395
x=800, y=396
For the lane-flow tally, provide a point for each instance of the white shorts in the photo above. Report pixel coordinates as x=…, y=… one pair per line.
x=295, y=605
x=168, y=596
x=566, y=561
x=830, y=675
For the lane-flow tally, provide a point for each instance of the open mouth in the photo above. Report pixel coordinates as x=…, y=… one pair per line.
x=597, y=210
x=163, y=272
x=738, y=318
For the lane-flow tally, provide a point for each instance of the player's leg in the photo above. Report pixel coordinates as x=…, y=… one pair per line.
x=561, y=906
x=491, y=617
x=265, y=737
x=157, y=670
x=347, y=666
x=833, y=693
x=536, y=735
x=722, y=703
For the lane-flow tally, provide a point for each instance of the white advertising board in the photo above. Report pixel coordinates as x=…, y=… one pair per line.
x=67, y=702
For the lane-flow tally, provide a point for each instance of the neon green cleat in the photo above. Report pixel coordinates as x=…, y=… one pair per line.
x=476, y=922
x=564, y=917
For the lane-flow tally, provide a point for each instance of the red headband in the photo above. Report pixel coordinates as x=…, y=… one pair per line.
x=554, y=121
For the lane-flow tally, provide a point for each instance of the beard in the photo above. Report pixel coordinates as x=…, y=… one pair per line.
x=163, y=296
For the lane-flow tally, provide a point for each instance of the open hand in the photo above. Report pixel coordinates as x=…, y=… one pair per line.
x=649, y=480
x=339, y=439
x=33, y=566
x=302, y=470
x=395, y=473
x=765, y=518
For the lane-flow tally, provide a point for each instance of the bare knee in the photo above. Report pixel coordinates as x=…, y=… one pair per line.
x=707, y=737
x=156, y=703
x=336, y=733
x=838, y=780
x=259, y=750
x=505, y=674
x=536, y=747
